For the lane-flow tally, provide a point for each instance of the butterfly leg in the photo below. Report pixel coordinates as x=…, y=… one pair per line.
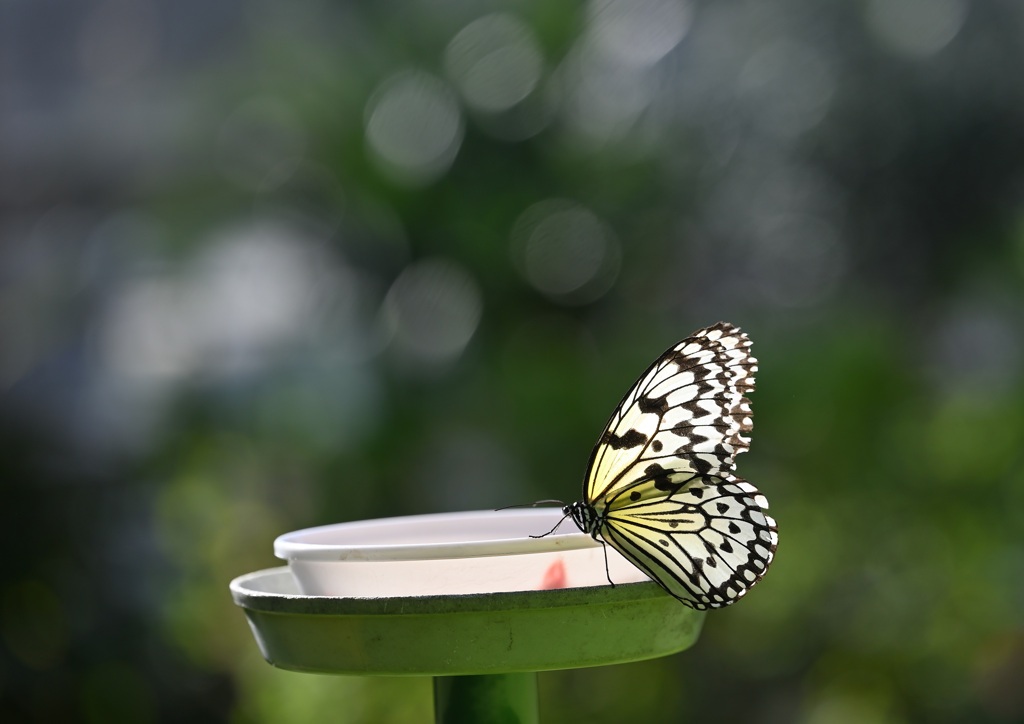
x=607, y=573
x=553, y=529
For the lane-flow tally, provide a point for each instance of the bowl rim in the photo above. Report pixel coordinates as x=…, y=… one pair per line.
x=292, y=547
x=250, y=591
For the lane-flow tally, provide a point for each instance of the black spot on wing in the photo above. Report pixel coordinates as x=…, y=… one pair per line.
x=695, y=362
x=662, y=478
x=700, y=464
x=657, y=405
x=698, y=568
x=632, y=438
x=704, y=392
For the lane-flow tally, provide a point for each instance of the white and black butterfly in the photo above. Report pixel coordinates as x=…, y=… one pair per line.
x=660, y=487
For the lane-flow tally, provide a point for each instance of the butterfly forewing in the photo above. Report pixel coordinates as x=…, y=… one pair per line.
x=686, y=415
x=706, y=543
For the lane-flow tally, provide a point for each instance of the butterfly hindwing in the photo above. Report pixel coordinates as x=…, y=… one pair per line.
x=707, y=543
x=685, y=415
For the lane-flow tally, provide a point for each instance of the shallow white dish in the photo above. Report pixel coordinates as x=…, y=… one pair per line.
x=450, y=553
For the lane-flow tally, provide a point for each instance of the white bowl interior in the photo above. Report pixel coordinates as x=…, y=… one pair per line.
x=450, y=553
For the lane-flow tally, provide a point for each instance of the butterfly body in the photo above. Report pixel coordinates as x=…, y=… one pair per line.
x=585, y=516
x=660, y=487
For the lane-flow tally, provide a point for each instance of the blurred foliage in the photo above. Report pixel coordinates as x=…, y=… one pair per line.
x=267, y=266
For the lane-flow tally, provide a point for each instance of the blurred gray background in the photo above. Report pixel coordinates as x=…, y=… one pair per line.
x=272, y=265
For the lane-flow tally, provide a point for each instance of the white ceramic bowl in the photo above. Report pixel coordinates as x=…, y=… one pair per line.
x=450, y=553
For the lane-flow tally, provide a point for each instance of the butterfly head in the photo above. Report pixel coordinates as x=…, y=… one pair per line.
x=584, y=516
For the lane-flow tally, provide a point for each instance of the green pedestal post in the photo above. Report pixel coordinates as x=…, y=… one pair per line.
x=486, y=699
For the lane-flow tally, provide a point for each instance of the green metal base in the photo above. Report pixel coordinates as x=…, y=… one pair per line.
x=497, y=698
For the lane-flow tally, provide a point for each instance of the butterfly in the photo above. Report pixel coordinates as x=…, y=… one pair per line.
x=660, y=487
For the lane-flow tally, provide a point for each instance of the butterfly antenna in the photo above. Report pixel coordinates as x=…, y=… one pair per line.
x=562, y=520
x=532, y=505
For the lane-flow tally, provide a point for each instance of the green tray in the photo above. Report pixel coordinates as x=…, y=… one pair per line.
x=469, y=640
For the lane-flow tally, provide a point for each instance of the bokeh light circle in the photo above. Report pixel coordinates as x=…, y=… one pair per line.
x=433, y=309
x=414, y=126
x=495, y=61
x=565, y=251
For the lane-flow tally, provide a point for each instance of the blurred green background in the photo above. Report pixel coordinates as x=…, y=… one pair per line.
x=271, y=265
